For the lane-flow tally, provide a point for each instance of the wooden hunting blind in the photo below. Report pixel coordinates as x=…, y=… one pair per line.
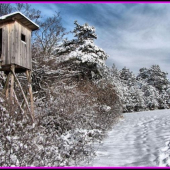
x=15, y=56
x=15, y=41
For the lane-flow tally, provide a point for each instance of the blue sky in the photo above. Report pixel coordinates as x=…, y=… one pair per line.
x=134, y=35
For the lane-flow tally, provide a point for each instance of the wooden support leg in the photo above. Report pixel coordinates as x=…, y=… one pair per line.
x=26, y=101
x=23, y=102
x=16, y=99
x=12, y=84
x=6, y=87
x=28, y=73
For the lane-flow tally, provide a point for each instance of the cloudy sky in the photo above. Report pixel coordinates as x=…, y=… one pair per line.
x=134, y=35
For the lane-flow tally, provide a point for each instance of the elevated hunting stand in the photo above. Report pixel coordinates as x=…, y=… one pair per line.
x=15, y=54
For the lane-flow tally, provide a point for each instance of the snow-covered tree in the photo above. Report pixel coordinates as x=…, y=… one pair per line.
x=82, y=50
x=114, y=71
x=133, y=99
x=84, y=32
x=154, y=76
x=132, y=95
x=127, y=77
x=151, y=96
x=157, y=86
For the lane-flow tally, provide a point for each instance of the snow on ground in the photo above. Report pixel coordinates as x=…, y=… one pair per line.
x=164, y=157
x=140, y=140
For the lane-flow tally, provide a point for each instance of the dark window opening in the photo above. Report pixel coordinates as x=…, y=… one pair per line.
x=23, y=37
x=0, y=43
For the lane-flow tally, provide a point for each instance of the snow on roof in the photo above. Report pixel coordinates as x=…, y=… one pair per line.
x=15, y=13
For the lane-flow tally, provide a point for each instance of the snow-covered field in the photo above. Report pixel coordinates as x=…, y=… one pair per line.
x=140, y=140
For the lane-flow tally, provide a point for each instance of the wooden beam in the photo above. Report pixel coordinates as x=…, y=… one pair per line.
x=23, y=102
x=28, y=73
x=17, y=101
x=0, y=62
x=6, y=87
x=12, y=84
x=22, y=93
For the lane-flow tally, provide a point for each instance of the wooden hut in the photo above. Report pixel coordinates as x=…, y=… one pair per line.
x=15, y=55
x=15, y=42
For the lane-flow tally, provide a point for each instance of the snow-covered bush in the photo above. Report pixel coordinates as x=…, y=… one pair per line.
x=62, y=135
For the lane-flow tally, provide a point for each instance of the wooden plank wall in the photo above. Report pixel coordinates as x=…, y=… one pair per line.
x=4, y=44
x=14, y=50
x=24, y=48
x=7, y=43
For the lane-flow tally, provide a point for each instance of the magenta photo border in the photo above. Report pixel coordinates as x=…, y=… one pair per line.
x=85, y=1
x=80, y=166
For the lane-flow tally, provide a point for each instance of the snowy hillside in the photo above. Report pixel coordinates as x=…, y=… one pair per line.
x=140, y=139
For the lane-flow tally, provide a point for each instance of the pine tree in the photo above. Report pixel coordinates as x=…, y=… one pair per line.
x=84, y=32
x=83, y=51
x=157, y=87
x=155, y=77
x=127, y=77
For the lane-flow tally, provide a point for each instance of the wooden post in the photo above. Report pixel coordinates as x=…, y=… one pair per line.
x=6, y=87
x=28, y=73
x=23, y=102
x=16, y=99
x=12, y=84
x=26, y=101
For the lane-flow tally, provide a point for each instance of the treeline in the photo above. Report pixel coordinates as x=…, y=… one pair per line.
x=149, y=90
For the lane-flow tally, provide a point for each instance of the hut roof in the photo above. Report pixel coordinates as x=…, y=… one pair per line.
x=21, y=18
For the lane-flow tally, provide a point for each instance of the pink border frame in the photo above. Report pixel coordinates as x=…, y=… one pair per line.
x=84, y=167
x=84, y=2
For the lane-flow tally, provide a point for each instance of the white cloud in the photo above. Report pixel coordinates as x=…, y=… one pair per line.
x=141, y=40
